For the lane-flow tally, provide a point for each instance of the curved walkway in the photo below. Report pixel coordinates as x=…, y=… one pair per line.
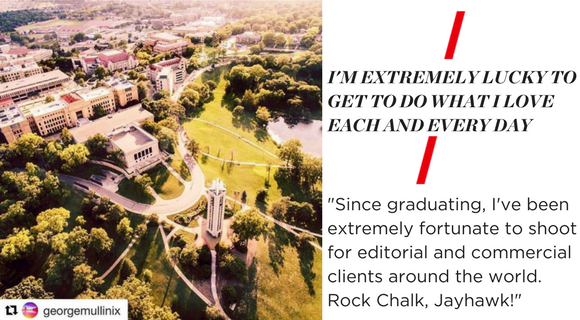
x=194, y=189
x=178, y=271
x=290, y=228
x=119, y=259
x=191, y=194
x=216, y=298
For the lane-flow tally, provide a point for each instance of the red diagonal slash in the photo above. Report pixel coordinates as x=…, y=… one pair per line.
x=426, y=160
x=454, y=34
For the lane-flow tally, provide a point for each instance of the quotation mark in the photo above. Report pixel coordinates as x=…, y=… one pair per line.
x=331, y=200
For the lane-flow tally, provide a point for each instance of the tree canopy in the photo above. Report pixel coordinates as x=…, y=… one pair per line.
x=249, y=224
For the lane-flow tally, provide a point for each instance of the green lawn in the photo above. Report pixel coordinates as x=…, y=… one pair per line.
x=221, y=144
x=190, y=236
x=73, y=204
x=289, y=284
x=167, y=288
x=217, y=112
x=179, y=165
x=242, y=178
x=164, y=183
x=131, y=190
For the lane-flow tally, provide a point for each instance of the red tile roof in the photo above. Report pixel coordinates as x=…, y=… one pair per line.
x=19, y=51
x=121, y=56
x=90, y=60
x=6, y=101
x=70, y=98
x=166, y=63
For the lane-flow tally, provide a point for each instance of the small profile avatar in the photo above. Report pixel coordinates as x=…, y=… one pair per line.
x=30, y=310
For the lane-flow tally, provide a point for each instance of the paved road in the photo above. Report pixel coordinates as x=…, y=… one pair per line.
x=194, y=189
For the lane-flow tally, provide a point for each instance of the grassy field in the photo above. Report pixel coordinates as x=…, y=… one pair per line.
x=189, y=236
x=222, y=143
x=51, y=23
x=131, y=190
x=289, y=284
x=73, y=204
x=217, y=112
x=164, y=183
x=242, y=178
x=167, y=288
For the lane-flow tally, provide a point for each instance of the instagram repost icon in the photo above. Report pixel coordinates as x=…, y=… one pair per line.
x=30, y=310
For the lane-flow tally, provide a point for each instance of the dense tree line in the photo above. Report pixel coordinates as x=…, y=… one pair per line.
x=27, y=190
x=280, y=83
x=14, y=19
x=32, y=223
x=162, y=107
x=303, y=207
x=53, y=155
x=284, y=17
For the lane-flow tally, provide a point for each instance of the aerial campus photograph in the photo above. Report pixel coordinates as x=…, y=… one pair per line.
x=164, y=152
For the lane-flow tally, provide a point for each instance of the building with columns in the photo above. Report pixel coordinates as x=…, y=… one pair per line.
x=216, y=206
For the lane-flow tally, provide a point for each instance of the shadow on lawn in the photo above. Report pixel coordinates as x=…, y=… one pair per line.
x=290, y=187
x=145, y=245
x=261, y=134
x=215, y=74
x=159, y=174
x=244, y=122
x=278, y=239
x=142, y=248
x=247, y=306
x=306, y=257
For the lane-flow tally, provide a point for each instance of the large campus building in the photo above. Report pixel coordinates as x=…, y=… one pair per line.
x=18, y=68
x=166, y=43
x=216, y=206
x=13, y=123
x=65, y=33
x=49, y=116
x=123, y=90
x=140, y=149
x=112, y=60
x=166, y=74
x=33, y=85
x=100, y=98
